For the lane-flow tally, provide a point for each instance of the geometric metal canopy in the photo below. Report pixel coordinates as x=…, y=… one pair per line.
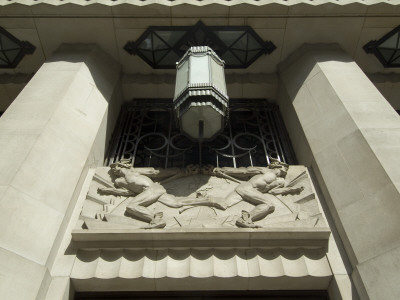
x=386, y=49
x=162, y=46
x=12, y=50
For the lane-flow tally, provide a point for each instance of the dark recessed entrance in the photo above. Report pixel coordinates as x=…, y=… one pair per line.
x=206, y=295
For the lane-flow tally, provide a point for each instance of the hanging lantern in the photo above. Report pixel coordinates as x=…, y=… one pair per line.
x=201, y=101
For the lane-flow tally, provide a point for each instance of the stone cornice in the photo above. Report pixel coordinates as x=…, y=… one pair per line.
x=216, y=238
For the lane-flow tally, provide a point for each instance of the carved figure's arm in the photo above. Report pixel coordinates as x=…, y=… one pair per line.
x=286, y=190
x=161, y=175
x=149, y=172
x=239, y=173
x=115, y=192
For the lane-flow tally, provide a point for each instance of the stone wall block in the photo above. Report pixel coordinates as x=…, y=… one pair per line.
x=355, y=142
x=17, y=272
x=330, y=164
x=361, y=88
x=292, y=123
x=308, y=111
x=64, y=105
x=372, y=224
x=59, y=289
x=341, y=288
x=15, y=148
x=323, y=94
x=320, y=133
x=46, y=86
x=297, y=72
x=383, y=115
x=387, y=143
x=28, y=222
x=380, y=274
x=31, y=118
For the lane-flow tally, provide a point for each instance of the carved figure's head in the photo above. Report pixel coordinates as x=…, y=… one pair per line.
x=118, y=166
x=280, y=167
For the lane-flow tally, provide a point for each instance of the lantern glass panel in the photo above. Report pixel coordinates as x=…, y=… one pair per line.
x=148, y=55
x=7, y=43
x=229, y=58
x=387, y=54
x=170, y=58
x=241, y=43
x=182, y=78
x=199, y=69
x=158, y=43
x=12, y=54
x=3, y=57
x=218, y=76
x=229, y=37
x=397, y=58
x=146, y=44
x=391, y=42
x=160, y=54
x=240, y=54
x=170, y=37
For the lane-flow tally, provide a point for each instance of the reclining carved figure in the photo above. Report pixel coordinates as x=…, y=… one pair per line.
x=143, y=191
x=262, y=187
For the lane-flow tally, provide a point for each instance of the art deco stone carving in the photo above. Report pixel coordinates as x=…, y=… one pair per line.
x=200, y=197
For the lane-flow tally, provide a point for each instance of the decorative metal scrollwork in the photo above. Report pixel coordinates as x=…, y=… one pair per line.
x=148, y=135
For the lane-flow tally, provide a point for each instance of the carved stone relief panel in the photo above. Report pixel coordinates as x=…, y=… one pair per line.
x=277, y=196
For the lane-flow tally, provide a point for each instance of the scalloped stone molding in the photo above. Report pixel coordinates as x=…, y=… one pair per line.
x=201, y=269
x=196, y=3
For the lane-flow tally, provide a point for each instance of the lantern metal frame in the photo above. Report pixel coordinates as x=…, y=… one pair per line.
x=24, y=48
x=373, y=47
x=186, y=36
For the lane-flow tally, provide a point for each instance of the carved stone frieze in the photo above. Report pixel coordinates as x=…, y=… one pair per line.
x=277, y=196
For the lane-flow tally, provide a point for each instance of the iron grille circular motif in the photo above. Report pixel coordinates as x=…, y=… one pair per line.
x=147, y=134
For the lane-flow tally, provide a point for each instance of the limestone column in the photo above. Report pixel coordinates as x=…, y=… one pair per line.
x=345, y=130
x=49, y=136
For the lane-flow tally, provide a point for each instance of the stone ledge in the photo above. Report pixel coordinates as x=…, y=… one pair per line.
x=216, y=238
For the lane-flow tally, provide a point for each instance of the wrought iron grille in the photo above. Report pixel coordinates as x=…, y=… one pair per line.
x=147, y=133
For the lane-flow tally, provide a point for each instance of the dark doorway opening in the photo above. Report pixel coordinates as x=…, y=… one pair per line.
x=205, y=295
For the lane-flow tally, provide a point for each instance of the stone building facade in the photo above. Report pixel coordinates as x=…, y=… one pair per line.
x=61, y=238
